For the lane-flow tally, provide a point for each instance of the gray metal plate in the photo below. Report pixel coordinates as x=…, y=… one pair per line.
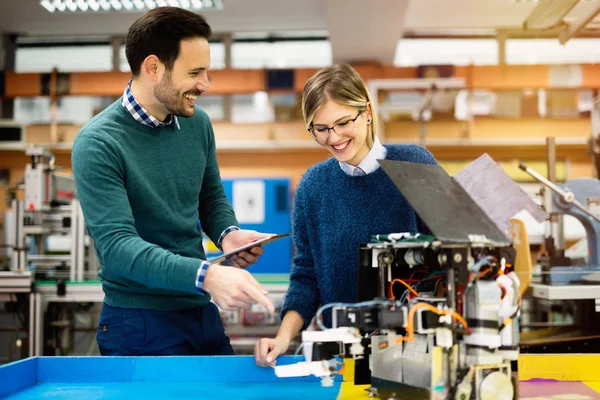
x=446, y=208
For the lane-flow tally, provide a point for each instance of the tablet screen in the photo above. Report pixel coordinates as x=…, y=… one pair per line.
x=260, y=242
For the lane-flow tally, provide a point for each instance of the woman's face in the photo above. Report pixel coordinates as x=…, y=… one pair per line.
x=343, y=131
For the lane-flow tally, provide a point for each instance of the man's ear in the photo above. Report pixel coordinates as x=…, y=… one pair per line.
x=151, y=67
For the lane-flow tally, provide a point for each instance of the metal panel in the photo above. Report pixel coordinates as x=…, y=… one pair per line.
x=446, y=208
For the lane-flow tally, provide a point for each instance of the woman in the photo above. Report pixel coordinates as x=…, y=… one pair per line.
x=339, y=202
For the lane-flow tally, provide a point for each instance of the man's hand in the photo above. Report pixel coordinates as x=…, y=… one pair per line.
x=267, y=350
x=233, y=288
x=239, y=238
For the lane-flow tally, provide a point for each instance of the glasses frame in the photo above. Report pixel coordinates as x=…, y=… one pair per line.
x=311, y=129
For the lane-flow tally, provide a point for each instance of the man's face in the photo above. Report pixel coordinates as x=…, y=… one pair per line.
x=188, y=79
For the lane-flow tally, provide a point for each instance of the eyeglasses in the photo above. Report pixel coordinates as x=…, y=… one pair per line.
x=341, y=128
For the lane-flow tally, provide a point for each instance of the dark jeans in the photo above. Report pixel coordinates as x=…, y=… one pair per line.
x=142, y=332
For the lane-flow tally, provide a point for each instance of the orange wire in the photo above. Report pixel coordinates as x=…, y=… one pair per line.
x=411, y=315
x=483, y=273
x=405, y=284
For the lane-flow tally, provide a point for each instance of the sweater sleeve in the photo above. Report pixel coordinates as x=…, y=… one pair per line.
x=215, y=211
x=100, y=183
x=303, y=293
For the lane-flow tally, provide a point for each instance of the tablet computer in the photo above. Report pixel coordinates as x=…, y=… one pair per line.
x=248, y=246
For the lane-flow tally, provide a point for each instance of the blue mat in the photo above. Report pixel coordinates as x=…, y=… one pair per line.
x=128, y=378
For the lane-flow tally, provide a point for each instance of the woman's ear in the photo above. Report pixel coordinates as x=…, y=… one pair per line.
x=369, y=113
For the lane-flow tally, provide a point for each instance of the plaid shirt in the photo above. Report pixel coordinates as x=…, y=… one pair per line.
x=140, y=114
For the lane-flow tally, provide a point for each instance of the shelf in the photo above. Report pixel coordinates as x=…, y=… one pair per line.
x=493, y=142
x=566, y=292
x=252, y=145
x=23, y=146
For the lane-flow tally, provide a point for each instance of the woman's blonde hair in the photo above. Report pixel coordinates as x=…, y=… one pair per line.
x=342, y=84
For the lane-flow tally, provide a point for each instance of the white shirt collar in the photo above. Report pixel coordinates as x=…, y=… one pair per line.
x=369, y=164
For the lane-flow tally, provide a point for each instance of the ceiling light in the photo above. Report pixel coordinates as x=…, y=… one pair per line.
x=125, y=5
x=94, y=6
x=83, y=6
x=48, y=6
x=71, y=5
x=59, y=5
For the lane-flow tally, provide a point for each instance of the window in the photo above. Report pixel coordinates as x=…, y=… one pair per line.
x=414, y=52
x=550, y=51
x=66, y=59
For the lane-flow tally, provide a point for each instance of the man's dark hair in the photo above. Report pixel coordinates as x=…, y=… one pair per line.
x=159, y=32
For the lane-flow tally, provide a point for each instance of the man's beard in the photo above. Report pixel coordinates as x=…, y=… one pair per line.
x=171, y=98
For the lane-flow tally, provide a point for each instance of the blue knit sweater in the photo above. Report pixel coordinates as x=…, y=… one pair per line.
x=333, y=214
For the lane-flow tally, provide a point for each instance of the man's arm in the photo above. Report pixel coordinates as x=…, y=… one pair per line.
x=216, y=213
x=100, y=181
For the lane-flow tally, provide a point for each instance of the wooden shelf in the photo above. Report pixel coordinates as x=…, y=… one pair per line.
x=232, y=81
x=266, y=145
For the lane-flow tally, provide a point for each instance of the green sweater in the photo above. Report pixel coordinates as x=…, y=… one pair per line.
x=143, y=191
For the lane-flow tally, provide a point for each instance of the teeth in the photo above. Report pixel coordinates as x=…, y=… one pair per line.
x=341, y=146
x=189, y=96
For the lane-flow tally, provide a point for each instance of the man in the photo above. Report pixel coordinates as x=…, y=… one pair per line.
x=146, y=173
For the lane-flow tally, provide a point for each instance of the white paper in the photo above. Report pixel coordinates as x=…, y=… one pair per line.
x=249, y=201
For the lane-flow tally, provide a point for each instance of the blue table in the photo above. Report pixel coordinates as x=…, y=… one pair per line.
x=161, y=378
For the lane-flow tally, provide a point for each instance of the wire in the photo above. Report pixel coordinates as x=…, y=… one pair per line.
x=435, y=289
x=411, y=316
x=297, y=352
x=487, y=260
x=413, y=291
x=323, y=308
x=504, y=291
x=508, y=320
x=481, y=274
x=361, y=304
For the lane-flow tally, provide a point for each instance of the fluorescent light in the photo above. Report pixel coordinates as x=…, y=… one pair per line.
x=83, y=6
x=94, y=6
x=125, y=5
x=47, y=5
x=71, y=5
x=60, y=6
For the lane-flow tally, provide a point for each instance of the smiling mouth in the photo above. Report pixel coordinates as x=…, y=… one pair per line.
x=341, y=146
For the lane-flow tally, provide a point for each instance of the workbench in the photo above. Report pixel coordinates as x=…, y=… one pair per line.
x=238, y=377
x=46, y=292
